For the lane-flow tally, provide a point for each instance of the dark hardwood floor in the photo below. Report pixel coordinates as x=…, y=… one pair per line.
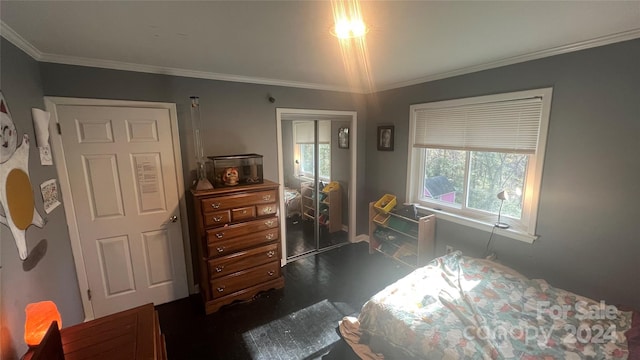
x=297, y=322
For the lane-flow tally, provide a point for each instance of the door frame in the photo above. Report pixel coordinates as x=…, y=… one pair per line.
x=51, y=104
x=311, y=114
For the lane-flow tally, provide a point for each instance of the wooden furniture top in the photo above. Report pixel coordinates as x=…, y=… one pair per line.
x=267, y=184
x=130, y=334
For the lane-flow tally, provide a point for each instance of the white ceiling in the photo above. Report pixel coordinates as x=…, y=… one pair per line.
x=288, y=42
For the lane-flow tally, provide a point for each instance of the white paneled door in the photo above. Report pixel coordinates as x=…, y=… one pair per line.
x=122, y=174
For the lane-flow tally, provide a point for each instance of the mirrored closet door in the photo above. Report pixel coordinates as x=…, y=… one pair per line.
x=316, y=176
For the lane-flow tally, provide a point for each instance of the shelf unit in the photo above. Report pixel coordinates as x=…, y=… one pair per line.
x=409, y=241
x=330, y=206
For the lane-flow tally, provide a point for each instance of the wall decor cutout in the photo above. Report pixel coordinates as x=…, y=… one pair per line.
x=41, y=127
x=16, y=194
x=49, y=191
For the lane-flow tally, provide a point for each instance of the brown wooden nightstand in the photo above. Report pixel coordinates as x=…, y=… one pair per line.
x=131, y=334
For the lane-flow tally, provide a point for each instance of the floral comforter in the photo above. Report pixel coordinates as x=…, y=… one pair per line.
x=463, y=308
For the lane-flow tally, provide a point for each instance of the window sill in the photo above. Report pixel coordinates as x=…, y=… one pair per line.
x=480, y=225
x=312, y=179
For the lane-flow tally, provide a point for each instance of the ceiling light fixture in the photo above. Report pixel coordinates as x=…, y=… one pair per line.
x=348, y=20
x=349, y=29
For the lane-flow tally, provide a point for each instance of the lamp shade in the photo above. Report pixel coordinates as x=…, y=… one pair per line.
x=503, y=195
x=40, y=315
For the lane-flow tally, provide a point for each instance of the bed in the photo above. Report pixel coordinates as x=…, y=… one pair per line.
x=458, y=307
x=292, y=202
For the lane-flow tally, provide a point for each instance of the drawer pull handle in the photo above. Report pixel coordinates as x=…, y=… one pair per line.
x=271, y=272
x=266, y=197
x=269, y=223
x=220, y=249
x=219, y=268
x=269, y=236
x=221, y=288
x=219, y=235
x=215, y=205
x=267, y=210
x=217, y=218
x=244, y=212
x=271, y=253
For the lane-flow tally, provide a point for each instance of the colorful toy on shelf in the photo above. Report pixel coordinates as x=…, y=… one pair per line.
x=334, y=185
x=386, y=203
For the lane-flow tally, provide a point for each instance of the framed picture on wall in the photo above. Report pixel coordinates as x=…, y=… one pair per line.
x=343, y=138
x=385, y=138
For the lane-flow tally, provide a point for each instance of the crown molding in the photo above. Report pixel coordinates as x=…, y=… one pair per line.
x=582, y=45
x=20, y=42
x=151, y=69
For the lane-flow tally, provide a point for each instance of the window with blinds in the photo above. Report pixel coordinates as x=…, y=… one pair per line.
x=508, y=126
x=463, y=152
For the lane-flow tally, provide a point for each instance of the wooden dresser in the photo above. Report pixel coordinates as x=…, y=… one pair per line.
x=238, y=233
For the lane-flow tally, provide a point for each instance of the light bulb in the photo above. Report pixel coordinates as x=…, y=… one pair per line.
x=346, y=29
x=358, y=28
x=342, y=29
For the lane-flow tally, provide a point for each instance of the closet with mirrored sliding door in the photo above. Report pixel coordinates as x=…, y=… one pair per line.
x=316, y=177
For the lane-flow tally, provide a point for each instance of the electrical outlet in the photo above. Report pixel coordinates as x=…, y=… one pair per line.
x=449, y=249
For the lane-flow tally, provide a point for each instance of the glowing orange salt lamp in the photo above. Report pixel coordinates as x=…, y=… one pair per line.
x=40, y=315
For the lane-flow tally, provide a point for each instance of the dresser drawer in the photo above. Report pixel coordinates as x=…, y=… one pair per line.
x=244, y=279
x=241, y=260
x=217, y=218
x=245, y=228
x=266, y=209
x=243, y=213
x=237, y=200
x=227, y=247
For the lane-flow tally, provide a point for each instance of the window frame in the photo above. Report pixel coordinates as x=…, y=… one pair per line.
x=525, y=229
x=298, y=153
x=310, y=175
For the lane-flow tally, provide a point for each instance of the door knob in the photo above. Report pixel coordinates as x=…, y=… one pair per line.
x=174, y=218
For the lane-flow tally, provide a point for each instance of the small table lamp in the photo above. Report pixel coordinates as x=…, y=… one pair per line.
x=40, y=315
x=502, y=195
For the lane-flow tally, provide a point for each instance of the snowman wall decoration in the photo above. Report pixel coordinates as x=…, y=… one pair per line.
x=16, y=195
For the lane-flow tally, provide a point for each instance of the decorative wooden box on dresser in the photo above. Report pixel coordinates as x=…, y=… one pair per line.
x=238, y=232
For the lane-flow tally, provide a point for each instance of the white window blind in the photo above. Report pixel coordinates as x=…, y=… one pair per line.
x=304, y=132
x=500, y=126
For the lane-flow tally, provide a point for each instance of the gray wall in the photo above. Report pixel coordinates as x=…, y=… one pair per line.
x=53, y=277
x=588, y=215
x=236, y=117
